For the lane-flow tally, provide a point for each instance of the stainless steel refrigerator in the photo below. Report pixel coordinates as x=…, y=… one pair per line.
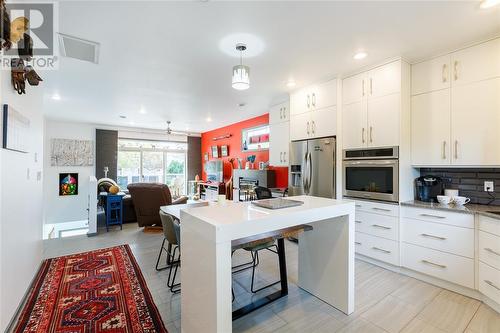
x=312, y=168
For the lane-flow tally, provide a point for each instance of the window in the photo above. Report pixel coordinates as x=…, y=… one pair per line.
x=152, y=162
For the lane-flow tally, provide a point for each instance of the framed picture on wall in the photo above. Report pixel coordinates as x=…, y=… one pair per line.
x=215, y=151
x=224, y=151
x=68, y=184
x=206, y=157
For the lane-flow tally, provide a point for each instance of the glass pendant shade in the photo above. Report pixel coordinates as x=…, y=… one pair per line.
x=241, y=77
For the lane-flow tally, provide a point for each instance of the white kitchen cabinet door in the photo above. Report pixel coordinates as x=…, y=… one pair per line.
x=279, y=113
x=324, y=122
x=431, y=75
x=475, y=123
x=476, y=63
x=279, y=143
x=354, y=125
x=300, y=101
x=300, y=126
x=354, y=89
x=384, y=80
x=383, y=121
x=430, y=128
x=324, y=95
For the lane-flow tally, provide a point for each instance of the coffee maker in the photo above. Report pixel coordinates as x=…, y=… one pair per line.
x=427, y=188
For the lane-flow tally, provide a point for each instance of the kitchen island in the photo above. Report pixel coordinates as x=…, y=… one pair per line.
x=326, y=255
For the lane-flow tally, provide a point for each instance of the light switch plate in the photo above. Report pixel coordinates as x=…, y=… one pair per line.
x=489, y=186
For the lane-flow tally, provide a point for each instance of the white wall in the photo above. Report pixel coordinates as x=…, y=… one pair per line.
x=57, y=209
x=20, y=202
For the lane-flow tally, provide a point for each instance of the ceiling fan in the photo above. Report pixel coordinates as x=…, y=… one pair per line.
x=170, y=131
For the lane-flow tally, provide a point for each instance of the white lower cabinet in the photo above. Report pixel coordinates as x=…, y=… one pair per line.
x=378, y=248
x=489, y=282
x=489, y=257
x=446, y=266
x=489, y=249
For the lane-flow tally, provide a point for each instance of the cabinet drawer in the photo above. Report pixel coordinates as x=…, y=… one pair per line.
x=378, y=208
x=438, y=236
x=378, y=248
x=489, y=224
x=433, y=215
x=489, y=249
x=377, y=225
x=442, y=265
x=489, y=282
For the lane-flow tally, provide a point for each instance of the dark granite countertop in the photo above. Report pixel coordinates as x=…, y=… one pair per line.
x=466, y=209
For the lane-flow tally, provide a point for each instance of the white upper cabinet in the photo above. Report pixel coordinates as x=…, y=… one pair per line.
x=383, y=121
x=371, y=107
x=475, y=123
x=279, y=113
x=313, y=111
x=354, y=125
x=430, y=132
x=279, y=135
x=460, y=124
x=353, y=89
x=477, y=63
x=384, y=80
x=431, y=75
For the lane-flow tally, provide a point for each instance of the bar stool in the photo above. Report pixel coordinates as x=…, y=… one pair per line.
x=171, y=233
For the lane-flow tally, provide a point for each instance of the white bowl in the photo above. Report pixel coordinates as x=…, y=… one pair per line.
x=444, y=199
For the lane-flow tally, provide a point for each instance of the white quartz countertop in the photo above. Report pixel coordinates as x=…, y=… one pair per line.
x=230, y=213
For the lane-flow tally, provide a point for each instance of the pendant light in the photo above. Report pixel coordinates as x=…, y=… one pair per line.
x=241, y=74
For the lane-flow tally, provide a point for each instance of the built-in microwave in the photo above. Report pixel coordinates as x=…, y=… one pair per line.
x=371, y=173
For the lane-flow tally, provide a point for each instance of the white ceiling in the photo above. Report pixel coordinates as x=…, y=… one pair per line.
x=166, y=57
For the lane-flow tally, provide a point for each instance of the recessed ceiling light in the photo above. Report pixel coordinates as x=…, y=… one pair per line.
x=489, y=3
x=142, y=111
x=123, y=116
x=291, y=84
x=360, y=55
x=208, y=119
x=131, y=123
x=56, y=97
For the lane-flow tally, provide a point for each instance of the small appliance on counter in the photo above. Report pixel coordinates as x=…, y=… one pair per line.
x=427, y=188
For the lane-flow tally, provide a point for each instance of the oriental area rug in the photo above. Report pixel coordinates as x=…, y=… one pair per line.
x=90, y=292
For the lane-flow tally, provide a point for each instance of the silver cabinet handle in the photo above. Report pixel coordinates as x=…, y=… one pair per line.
x=381, y=209
x=456, y=149
x=363, y=135
x=363, y=87
x=455, y=68
x=358, y=205
x=433, y=264
x=444, y=150
x=432, y=236
x=284, y=156
x=445, y=73
x=381, y=250
x=371, y=86
x=434, y=216
x=307, y=128
x=357, y=221
x=381, y=227
x=313, y=99
x=281, y=113
x=308, y=101
x=492, y=251
x=284, y=113
x=357, y=243
x=488, y=282
x=281, y=157
x=371, y=134
x=313, y=127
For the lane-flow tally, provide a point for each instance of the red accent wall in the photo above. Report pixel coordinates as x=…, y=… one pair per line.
x=234, y=144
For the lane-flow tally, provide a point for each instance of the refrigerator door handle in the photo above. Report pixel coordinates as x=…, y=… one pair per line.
x=304, y=178
x=310, y=174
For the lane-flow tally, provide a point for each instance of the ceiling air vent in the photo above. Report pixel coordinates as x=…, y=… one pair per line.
x=78, y=48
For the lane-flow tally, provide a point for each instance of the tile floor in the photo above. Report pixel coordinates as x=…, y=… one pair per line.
x=385, y=301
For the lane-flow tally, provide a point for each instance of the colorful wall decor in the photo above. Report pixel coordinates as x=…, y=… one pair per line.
x=233, y=144
x=68, y=184
x=215, y=151
x=224, y=151
x=66, y=152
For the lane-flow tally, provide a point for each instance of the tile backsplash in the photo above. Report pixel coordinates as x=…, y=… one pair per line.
x=469, y=182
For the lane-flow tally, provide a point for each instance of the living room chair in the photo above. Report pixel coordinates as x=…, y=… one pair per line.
x=171, y=233
x=148, y=198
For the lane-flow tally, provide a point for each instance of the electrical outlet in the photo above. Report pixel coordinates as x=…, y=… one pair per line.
x=489, y=186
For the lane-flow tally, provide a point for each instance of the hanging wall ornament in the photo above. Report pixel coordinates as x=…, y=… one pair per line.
x=4, y=27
